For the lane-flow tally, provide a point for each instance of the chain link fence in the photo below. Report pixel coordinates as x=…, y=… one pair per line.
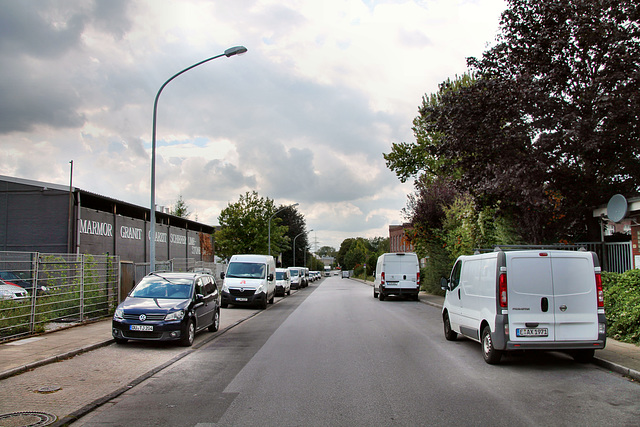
x=62, y=290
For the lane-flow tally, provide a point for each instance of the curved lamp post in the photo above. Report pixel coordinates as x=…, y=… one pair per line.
x=281, y=209
x=294, y=246
x=152, y=249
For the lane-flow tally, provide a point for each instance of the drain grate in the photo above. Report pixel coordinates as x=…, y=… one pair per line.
x=26, y=419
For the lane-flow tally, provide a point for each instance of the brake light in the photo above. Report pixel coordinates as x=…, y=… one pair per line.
x=418, y=278
x=599, y=291
x=382, y=278
x=502, y=290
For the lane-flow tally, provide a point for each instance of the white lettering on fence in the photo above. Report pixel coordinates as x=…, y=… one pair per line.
x=160, y=237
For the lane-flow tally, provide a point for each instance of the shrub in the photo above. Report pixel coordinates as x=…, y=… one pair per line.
x=622, y=305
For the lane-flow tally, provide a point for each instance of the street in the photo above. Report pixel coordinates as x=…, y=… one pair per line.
x=333, y=355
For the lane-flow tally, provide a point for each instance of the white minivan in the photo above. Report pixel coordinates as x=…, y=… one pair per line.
x=283, y=282
x=527, y=300
x=397, y=274
x=249, y=280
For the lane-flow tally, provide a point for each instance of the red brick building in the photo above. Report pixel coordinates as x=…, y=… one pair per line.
x=398, y=241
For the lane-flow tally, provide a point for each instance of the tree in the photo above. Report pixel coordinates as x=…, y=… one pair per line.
x=574, y=65
x=547, y=125
x=294, y=220
x=327, y=251
x=181, y=208
x=244, y=227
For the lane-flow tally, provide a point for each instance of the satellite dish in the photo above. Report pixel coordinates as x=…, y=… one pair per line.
x=617, y=208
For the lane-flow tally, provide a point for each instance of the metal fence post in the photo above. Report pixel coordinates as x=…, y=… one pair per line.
x=82, y=261
x=35, y=266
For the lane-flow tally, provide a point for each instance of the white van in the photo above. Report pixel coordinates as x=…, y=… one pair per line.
x=397, y=274
x=250, y=280
x=283, y=282
x=527, y=300
x=297, y=277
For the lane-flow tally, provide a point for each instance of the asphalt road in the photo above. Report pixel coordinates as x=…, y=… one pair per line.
x=337, y=356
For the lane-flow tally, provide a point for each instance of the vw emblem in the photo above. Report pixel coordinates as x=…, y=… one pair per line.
x=142, y=317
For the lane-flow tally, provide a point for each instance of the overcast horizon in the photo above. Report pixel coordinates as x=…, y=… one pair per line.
x=304, y=116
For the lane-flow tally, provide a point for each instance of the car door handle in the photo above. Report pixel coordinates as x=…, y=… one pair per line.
x=544, y=304
x=458, y=293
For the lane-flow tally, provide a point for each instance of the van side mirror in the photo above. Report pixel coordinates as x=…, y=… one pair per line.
x=270, y=277
x=444, y=283
x=222, y=276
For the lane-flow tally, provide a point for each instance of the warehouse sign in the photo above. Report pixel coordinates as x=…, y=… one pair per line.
x=96, y=228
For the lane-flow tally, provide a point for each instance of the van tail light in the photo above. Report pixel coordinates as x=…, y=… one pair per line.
x=382, y=278
x=502, y=290
x=599, y=291
x=418, y=278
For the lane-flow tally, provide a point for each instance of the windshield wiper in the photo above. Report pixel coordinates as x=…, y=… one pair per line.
x=162, y=277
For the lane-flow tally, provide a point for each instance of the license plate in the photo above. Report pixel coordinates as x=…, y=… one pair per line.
x=242, y=299
x=532, y=332
x=144, y=328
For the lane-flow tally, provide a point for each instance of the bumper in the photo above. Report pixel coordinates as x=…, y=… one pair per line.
x=280, y=290
x=391, y=290
x=243, y=298
x=164, y=331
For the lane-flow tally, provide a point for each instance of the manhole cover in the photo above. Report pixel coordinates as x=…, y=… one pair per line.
x=26, y=419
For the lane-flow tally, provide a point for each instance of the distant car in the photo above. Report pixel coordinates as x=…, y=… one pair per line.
x=283, y=282
x=13, y=279
x=297, y=277
x=9, y=291
x=345, y=273
x=168, y=306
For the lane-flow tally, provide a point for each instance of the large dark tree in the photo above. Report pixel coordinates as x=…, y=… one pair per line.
x=574, y=67
x=296, y=224
x=548, y=126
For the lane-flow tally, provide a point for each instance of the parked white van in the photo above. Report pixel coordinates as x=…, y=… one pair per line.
x=297, y=277
x=527, y=300
x=250, y=280
x=283, y=282
x=397, y=274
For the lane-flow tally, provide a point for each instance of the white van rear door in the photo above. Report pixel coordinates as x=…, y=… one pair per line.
x=400, y=271
x=530, y=296
x=576, y=303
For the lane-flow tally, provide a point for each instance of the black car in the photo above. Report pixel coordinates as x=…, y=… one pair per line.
x=168, y=306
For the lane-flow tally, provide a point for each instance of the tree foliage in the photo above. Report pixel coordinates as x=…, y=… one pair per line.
x=544, y=128
x=181, y=208
x=296, y=229
x=244, y=227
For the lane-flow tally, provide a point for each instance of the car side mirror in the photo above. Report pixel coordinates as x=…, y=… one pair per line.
x=270, y=277
x=199, y=297
x=222, y=276
x=444, y=283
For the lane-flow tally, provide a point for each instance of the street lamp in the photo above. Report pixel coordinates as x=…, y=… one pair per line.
x=236, y=50
x=281, y=209
x=294, y=246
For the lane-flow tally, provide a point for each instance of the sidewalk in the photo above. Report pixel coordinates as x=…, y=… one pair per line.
x=29, y=353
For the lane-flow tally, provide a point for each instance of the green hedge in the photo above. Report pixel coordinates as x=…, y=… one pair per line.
x=622, y=305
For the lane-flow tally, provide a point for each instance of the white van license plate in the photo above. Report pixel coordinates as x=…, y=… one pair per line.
x=532, y=332
x=144, y=328
x=241, y=299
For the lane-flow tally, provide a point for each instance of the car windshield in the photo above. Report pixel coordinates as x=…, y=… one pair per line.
x=294, y=273
x=279, y=275
x=6, y=275
x=158, y=287
x=246, y=270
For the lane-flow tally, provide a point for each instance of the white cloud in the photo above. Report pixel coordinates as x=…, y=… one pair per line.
x=304, y=116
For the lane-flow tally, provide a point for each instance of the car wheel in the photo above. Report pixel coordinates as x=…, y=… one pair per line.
x=289, y=291
x=375, y=294
x=490, y=354
x=273, y=298
x=224, y=305
x=190, y=335
x=449, y=334
x=216, y=322
x=381, y=296
x=263, y=304
x=582, y=356
x=121, y=340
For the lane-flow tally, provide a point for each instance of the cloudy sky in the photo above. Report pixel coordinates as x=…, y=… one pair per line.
x=304, y=116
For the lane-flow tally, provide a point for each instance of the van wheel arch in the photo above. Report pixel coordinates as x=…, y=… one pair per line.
x=449, y=334
x=490, y=354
